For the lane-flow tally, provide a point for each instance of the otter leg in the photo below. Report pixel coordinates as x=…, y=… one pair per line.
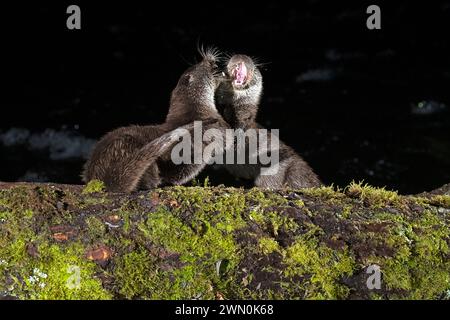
x=300, y=175
x=173, y=174
x=273, y=181
x=109, y=158
x=151, y=178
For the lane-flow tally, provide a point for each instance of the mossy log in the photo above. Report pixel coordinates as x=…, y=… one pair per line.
x=75, y=242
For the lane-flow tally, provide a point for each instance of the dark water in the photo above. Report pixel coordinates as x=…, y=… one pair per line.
x=357, y=104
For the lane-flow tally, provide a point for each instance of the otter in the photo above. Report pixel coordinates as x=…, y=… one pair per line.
x=239, y=98
x=138, y=157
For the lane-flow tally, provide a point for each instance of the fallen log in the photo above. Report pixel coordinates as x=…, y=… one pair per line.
x=76, y=242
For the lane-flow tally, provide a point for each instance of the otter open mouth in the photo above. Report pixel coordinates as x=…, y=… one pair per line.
x=240, y=74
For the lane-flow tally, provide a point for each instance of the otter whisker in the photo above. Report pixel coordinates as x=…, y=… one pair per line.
x=258, y=62
x=210, y=53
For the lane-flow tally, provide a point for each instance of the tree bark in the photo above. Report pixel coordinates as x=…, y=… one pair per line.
x=79, y=242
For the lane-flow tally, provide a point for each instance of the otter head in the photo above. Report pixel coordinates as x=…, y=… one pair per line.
x=243, y=84
x=198, y=83
x=193, y=97
x=242, y=72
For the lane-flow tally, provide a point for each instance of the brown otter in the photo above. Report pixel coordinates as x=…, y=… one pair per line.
x=239, y=99
x=135, y=157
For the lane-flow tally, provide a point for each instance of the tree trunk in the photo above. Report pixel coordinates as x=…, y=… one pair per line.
x=75, y=242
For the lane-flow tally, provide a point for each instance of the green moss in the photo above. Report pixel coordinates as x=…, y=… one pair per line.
x=96, y=227
x=257, y=216
x=186, y=197
x=45, y=274
x=346, y=211
x=197, y=183
x=135, y=273
x=440, y=200
x=420, y=256
x=321, y=267
x=3, y=216
x=206, y=242
x=199, y=248
x=15, y=199
x=14, y=252
x=273, y=221
x=430, y=266
x=375, y=296
x=299, y=203
x=206, y=183
x=324, y=192
x=93, y=201
x=10, y=215
x=94, y=186
x=28, y=214
x=279, y=221
x=268, y=245
x=63, y=266
x=375, y=197
x=126, y=220
x=201, y=242
x=264, y=199
x=223, y=210
x=57, y=273
x=198, y=241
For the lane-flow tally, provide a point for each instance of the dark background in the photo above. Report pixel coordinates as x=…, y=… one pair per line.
x=345, y=97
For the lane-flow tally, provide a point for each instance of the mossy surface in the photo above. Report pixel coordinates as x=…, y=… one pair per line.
x=62, y=242
x=94, y=186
